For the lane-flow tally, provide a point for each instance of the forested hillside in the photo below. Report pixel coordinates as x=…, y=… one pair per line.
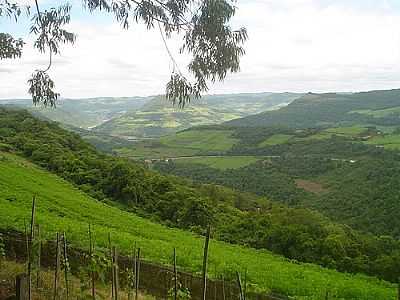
x=314, y=110
x=82, y=113
x=236, y=217
x=159, y=117
x=62, y=207
x=336, y=171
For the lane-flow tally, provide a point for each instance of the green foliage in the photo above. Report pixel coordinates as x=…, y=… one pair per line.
x=62, y=207
x=327, y=110
x=41, y=87
x=205, y=24
x=182, y=293
x=222, y=163
x=237, y=218
x=276, y=139
x=10, y=47
x=158, y=117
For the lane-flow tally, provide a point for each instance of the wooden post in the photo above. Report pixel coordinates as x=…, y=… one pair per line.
x=131, y=282
x=245, y=285
x=112, y=265
x=115, y=267
x=31, y=238
x=175, y=277
x=27, y=246
x=56, y=273
x=240, y=286
x=205, y=257
x=22, y=287
x=223, y=287
x=91, y=261
x=39, y=256
x=137, y=274
x=134, y=268
x=66, y=264
x=398, y=291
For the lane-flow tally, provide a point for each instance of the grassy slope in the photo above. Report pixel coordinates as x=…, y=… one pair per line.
x=62, y=207
x=222, y=163
x=185, y=143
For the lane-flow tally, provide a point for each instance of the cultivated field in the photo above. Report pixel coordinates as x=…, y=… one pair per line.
x=61, y=207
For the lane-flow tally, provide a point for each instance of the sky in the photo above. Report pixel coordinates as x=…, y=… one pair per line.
x=294, y=46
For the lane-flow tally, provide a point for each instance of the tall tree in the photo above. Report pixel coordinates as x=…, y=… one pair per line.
x=215, y=48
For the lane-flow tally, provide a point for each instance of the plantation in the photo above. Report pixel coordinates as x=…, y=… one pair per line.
x=61, y=207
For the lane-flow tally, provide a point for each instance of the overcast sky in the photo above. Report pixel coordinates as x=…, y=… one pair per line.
x=294, y=45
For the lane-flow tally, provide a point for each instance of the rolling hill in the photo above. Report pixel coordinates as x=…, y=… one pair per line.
x=354, y=170
x=82, y=113
x=375, y=108
x=159, y=117
x=61, y=206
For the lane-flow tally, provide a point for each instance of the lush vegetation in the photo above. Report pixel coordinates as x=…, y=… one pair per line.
x=159, y=117
x=62, y=207
x=184, y=143
x=360, y=179
x=327, y=110
x=236, y=217
x=82, y=113
x=222, y=163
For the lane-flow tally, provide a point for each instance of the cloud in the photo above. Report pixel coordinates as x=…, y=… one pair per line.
x=294, y=45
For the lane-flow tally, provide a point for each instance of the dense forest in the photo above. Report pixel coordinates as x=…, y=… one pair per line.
x=236, y=217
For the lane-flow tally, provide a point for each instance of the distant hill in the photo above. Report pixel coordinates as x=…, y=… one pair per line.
x=82, y=113
x=159, y=117
x=298, y=234
x=377, y=108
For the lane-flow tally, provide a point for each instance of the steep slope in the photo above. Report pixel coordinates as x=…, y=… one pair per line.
x=314, y=110
x=159, y=117
x=235, y=217
x=61, y=207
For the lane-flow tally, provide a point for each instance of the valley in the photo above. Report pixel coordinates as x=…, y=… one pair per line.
x=281, y=188
x=64, y=207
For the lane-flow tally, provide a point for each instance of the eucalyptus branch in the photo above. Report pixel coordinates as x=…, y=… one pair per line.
x=43, y=32
x=169, y=51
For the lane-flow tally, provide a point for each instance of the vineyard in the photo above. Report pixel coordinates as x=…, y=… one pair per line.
x=62, y=208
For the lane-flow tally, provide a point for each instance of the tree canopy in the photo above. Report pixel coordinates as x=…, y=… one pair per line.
x=214, y=46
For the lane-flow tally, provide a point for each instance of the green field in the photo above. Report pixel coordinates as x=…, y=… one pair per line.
x=347, y=131
x=380, y=113
x=388, y=141
x=276, y=139
x=352, y=131
x=61, y=207
x=201, y=140
x=185, y=143
x=221, y=163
